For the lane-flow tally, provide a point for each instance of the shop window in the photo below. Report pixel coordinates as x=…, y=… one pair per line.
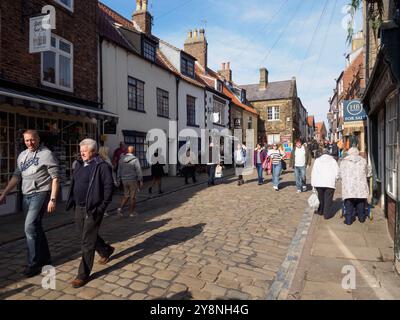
x=391, y=146
x=218, y=111
x=274, y=139
x=138, y=140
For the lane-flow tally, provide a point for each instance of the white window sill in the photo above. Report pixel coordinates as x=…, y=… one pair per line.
x=51, y=85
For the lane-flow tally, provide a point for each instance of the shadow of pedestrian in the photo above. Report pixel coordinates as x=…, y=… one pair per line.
x=114, y=238
x=12, y=292
x=183, y=295
x=151, y=245
x=287, y=184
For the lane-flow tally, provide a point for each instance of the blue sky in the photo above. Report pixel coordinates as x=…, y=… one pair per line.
x=301, y=38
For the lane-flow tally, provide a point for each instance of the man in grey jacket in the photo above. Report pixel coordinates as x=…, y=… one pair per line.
x=38, y=170
x=130, y=175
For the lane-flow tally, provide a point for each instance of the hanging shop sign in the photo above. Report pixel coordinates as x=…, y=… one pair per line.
x=354, y=111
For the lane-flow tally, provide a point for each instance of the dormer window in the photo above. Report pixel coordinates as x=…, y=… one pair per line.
x=218, y=85
x=243, y=96
x=187, y=67
x=149, y=50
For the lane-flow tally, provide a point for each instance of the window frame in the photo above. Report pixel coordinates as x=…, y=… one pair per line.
x=219, y=107
x=65, y=6
x=136, y=102
x=137, y=139
x=275, y=110
x=58, y=52
x=164, y=96
x=145, y=53
x=392, y=114
x=188, y=119
x=185, y=66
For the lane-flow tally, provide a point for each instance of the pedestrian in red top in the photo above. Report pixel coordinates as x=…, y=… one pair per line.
x=118, y=153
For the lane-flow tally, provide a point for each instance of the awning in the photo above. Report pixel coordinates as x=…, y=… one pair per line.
x=39, y=102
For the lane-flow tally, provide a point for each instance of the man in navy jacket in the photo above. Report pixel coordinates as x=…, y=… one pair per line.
x=90, y=194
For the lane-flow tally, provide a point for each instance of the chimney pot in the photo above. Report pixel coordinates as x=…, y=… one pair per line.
x=190, y=34
x=228, y=66
x=223, y=66
x=195, y=33
x=144, y=5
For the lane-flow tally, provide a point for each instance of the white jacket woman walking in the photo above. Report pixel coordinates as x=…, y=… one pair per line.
x=323, y=178
x=354, y=172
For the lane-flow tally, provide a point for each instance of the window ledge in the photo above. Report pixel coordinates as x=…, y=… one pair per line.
x=140, y=111
x=165, y=117
x=193, y=125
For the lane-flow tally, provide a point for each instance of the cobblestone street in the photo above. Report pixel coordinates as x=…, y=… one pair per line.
x=223, y=242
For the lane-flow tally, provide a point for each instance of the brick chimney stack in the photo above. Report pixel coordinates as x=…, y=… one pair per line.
x=197, y=46
x=263, y=78
x=226, y=71
x=142, y=18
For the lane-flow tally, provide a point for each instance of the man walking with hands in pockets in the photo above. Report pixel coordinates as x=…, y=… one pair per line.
x=90, y=194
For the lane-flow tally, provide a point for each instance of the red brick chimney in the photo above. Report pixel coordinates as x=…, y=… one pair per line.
x=142, y=18
x=197, y=46
x=226, y=72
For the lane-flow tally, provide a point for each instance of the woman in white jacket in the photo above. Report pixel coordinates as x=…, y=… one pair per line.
x=323, y=178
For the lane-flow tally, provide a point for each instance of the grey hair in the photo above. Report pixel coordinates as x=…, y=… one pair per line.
x=90, y=143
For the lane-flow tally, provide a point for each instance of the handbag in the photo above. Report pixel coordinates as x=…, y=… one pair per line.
x=313, y=201
x=265, y=163
x=218, y=172
x=284, y=166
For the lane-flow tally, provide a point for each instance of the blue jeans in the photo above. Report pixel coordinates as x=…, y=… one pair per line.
x=300, y=174
x=35, y=205
x=260, y=173
x=276, y=173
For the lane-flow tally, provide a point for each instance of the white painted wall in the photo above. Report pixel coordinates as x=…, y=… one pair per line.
x=118, y=64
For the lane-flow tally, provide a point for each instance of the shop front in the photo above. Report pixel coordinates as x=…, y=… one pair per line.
x=61, y=127
x=382, y=103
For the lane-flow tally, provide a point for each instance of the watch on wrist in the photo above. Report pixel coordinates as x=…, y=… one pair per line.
x=53, y=200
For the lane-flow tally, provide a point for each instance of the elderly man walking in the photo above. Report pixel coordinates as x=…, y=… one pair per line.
x=130, y=173
x=354, y=171
x=90, y=194
x=38, y=170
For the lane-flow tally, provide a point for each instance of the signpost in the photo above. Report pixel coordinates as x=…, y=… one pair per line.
x=354, y=111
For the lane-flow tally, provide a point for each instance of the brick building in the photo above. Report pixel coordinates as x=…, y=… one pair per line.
x=278, y=106
x=55, y=92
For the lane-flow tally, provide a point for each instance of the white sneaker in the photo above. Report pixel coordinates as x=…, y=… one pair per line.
x=276, y=188
x=299, y=191
x=119, y=212
x=133, y=214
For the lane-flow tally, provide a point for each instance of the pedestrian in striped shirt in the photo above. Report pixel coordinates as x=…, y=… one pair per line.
x=276, y=156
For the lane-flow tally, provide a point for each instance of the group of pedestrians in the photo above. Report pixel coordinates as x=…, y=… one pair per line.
x=353, y=171
x=92, y=184
x=93, y=181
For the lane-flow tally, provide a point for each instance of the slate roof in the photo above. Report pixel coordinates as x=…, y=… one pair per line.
x=275, y=91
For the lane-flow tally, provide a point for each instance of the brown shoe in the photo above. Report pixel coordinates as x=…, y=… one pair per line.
x=77, y=283
x=104, y=260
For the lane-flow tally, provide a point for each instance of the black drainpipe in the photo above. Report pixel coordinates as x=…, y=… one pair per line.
x=177, y=122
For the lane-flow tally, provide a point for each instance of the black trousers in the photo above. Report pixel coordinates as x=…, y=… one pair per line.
x=211, y=173
x=190, y=171
x=355, y=207
x=88, y=227
x=325, y=197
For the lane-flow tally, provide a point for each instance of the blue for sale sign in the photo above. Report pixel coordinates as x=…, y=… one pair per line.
x=353, y=110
